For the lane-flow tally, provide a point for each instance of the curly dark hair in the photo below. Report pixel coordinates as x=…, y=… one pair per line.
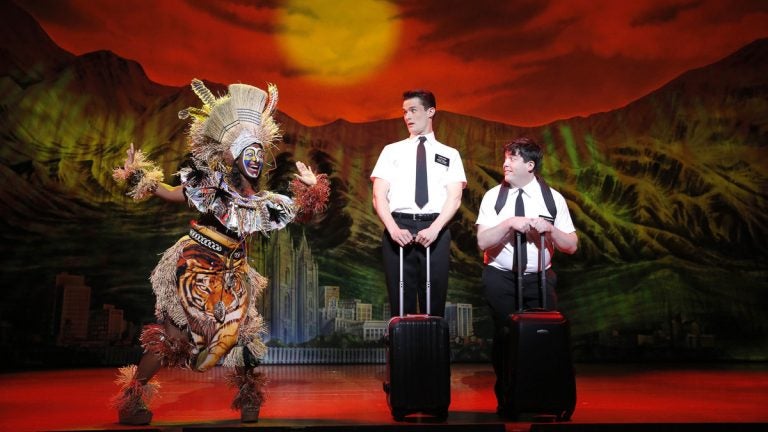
x=527, y=149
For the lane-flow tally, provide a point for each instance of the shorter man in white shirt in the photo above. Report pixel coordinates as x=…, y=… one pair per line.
x=415, y=205
x=520, y=204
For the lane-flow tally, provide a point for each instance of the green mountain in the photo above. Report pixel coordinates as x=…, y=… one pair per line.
x=668, y=195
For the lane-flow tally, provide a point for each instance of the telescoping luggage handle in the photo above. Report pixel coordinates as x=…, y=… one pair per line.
x=520, y=270
x=429, y=285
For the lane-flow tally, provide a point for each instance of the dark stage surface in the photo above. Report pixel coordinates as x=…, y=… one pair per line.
x=612, y=397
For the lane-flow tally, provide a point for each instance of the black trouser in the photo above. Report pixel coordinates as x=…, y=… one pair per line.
x=500, y=291
x=415, y=271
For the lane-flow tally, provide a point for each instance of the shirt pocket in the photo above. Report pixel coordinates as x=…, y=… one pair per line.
x=439, y=171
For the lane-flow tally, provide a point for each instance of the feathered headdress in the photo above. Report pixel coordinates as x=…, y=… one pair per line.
x=230, y=123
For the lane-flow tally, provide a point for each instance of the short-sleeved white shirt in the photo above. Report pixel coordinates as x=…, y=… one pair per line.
x=533, y=200
x=397, y=165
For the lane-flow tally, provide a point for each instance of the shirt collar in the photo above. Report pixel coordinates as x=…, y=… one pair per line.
x=527, y=188
x=430, y=138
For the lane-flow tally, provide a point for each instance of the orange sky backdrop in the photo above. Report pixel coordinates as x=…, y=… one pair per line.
x=523, y=63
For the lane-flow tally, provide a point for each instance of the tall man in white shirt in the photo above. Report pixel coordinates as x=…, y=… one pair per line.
x=415, y=205
x=500, y=216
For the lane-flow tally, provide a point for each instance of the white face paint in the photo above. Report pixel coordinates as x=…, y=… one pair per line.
x=252, y=160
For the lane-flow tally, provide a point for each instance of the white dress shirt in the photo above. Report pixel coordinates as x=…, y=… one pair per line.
x=502, y=257
x=397, y=165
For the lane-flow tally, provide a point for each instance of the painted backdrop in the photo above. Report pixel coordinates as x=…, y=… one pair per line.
x=655, y=128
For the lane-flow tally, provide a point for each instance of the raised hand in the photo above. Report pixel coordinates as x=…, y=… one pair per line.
x=305, y=174
x=129, y=158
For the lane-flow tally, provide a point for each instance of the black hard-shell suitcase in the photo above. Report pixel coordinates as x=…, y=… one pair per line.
x=418, y=362
x=537, y=371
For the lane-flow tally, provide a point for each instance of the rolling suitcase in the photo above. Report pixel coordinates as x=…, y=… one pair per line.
x=537, y=372
x=418, y=375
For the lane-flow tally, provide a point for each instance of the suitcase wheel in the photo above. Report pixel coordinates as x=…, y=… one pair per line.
x=511, y=415
x=398, y=415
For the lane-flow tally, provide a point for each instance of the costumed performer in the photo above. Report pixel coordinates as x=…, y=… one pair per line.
x=205, y=289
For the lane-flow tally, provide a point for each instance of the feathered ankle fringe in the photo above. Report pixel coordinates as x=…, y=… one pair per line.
x=133, y=395
x=250, y=386
x=250, y=392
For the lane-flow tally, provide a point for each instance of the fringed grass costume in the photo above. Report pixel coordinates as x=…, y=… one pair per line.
x=203, y=284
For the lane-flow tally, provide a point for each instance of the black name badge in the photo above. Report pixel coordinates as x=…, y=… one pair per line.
x=442, y=160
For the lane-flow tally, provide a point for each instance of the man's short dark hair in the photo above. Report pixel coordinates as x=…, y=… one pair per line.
x=527, y=149
x=425, y=96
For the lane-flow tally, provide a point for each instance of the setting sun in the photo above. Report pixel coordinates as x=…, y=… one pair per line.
x=337, y=42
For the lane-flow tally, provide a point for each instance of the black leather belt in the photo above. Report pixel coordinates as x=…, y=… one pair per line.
x=424, y=217
x=528, y=275
x=215, y=246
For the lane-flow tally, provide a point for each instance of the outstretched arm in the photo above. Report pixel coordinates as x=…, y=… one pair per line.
x=310, y=193
x=145, y=178
x=170, y=193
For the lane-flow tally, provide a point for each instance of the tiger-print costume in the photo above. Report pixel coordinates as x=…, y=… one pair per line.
x=202, y=284
x=190, y=280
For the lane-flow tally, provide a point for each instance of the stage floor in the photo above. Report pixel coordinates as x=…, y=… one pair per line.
x=350, y=397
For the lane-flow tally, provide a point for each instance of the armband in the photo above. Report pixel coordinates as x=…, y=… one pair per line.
x=310, y=200
x=142, y=177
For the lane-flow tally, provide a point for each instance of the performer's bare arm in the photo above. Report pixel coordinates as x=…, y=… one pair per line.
x=164, y=190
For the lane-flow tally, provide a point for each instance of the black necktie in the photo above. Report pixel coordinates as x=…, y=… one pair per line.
x=501, y=200
x=422, y=190
x=520, y=211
